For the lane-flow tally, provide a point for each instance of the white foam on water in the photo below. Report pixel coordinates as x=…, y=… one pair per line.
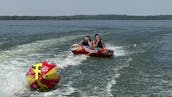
x=113, y=81
x=64, y=91
x=63, y=60
x=29, y=48
x=15, y=62
x=118, y=50
x=14, y=65
x=12, y=76
x=107, y=90
x=68, y=60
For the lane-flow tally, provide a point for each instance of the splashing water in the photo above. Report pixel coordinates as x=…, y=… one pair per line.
x=68, y=59
x=15, y=62
x=118, y=50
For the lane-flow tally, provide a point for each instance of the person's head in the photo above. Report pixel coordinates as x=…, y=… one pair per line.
x=87, y=38
x=97, y=36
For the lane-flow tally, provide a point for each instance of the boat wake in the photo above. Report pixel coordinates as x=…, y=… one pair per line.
x=66, y=59
x=113, y=81
x=15, y=62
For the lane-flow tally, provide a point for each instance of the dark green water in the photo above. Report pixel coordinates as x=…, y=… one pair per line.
x=141, y=66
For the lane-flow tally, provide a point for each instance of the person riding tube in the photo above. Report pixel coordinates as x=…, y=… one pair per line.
x=98, y=43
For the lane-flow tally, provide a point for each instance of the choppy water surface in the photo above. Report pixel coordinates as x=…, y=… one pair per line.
x=141, y=66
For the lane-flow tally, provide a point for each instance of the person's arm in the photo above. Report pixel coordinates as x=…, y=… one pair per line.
x=103, y=44
x=90, y=43
x=80, y=43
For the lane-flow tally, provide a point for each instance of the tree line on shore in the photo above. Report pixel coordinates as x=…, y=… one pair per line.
x=88, y=17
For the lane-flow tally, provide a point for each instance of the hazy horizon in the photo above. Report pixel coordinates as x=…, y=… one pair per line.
x=86, y=15
x=84, y=7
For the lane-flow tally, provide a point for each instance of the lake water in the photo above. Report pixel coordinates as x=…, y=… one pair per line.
x=141, y=66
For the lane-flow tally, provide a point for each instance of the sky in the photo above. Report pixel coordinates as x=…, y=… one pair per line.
x=84, y=7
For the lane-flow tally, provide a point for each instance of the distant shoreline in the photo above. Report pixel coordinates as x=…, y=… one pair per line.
x=89, y=17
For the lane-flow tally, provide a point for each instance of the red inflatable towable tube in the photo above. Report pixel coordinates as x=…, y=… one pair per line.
x=104, y=52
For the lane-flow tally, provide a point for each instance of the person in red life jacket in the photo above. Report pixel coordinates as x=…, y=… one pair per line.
x=87, y=42
x=98, y=43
